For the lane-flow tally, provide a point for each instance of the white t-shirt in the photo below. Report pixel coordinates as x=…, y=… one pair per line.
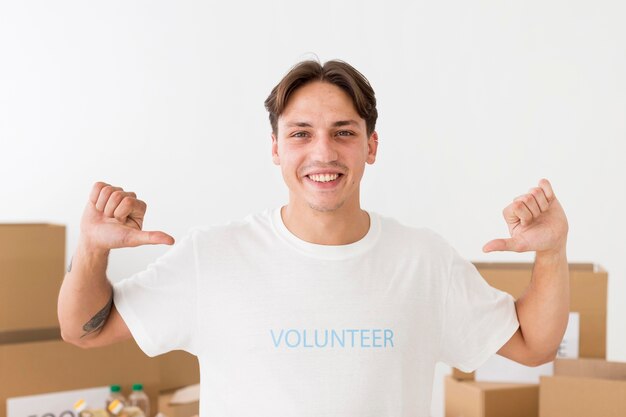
x=283, y=327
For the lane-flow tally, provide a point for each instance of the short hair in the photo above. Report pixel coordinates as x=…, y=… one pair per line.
x=336, y=72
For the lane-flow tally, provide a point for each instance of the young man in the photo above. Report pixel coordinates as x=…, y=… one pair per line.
x=319, y=307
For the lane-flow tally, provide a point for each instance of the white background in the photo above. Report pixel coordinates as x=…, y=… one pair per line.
x=477, y=102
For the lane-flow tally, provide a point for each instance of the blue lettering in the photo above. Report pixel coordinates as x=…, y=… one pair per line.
x=352, y=331
x=325, y=339
x=375, y=337
x=389, y=338
x=304, y=338
x=292, y=331
x=364, y=337
x=334, y=335
x=367, y=338
x=277, y=342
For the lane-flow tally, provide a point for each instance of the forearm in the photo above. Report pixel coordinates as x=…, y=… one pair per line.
x=86, y=295
x=543, y=309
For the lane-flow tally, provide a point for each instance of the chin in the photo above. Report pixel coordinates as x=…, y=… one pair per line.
x=325, y=207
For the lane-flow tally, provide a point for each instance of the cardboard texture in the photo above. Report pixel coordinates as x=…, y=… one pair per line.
x=490, y=399
x=588, y=295
x=177, y=369
x=174, y=409
x=54, y=365
x=32, y=266
x=501, y=369
x=589, y=367
x=584, y=387
x=48, y=366
x=33, y=358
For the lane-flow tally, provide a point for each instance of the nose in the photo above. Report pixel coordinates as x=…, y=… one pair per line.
x=324, y=148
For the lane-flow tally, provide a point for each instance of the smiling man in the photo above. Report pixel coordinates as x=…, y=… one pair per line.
x=318, y=307
x=322, y=144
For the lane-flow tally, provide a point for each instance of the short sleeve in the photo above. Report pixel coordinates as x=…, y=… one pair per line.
x=159, y=304
x=477, y=319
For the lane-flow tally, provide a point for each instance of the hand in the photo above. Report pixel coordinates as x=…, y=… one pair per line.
x=113, y=219
x=536, y=222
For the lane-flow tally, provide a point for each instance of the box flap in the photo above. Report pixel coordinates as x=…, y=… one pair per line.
x=590, y=368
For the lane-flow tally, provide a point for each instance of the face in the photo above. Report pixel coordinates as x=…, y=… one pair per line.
x=322, y=147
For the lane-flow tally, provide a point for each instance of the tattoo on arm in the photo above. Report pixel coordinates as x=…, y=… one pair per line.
x=69, y=268
x=97, y=322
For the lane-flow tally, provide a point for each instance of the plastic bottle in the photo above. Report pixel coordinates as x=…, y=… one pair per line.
x=139, y=399
x=115, y=394
x=117, y=409
x=82, y=409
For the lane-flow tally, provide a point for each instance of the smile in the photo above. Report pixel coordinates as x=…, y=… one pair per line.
x=324, y=177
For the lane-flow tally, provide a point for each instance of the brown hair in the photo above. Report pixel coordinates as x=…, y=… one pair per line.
x=336, y=72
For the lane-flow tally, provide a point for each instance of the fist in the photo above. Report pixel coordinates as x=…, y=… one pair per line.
x=113, y=218
x=536, y=222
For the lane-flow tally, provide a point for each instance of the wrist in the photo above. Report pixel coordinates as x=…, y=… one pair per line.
x=87, y=247
x=555, y=255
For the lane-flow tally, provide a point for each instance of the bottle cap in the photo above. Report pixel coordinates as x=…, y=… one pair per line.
x=116, y=388
x=137, y=387
x=80, y=405
x=116, y=406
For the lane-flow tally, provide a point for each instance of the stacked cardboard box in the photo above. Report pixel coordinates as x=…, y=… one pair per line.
x=584, y=387
x=33, y=358
x=588, y=293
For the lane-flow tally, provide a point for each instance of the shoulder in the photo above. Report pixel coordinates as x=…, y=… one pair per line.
x=236, y=230
x=396, y=229
x=415, y=238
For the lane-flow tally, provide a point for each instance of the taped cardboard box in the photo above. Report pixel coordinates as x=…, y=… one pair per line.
x=468, y=398
x=32, y=259
x=38, y=367
x=583, y=388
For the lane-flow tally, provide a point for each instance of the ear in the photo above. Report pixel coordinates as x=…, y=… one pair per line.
x=275, y=157
x=372, y=147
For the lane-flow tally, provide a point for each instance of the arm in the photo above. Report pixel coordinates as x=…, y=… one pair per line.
x=112, y=219
x=85, y=308
x=537, y=222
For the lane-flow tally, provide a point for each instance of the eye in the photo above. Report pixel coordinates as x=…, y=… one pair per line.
x=300, y=134
x=345, y=133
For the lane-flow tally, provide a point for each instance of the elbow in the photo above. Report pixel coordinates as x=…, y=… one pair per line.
x=539, y=360
x=68, y=338
x=73, y=340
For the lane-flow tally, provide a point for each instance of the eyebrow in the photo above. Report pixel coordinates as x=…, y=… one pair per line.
x=338, y=123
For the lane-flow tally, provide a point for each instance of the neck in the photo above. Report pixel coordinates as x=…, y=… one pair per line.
x=337, y=227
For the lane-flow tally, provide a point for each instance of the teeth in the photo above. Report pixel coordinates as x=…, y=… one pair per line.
x=323, y=177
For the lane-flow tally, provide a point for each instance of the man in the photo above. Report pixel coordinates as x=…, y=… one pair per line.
x=317, y=308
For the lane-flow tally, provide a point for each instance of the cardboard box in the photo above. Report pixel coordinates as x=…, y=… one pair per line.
x=177, y=369
x=584, y=387
x=465, y=398
x=33, y=358
x=38, y=367
x=54, y=365
x=32, y=266
x=588, y=295
x=172, y=406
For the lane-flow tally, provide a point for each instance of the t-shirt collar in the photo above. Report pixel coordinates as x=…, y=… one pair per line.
x=332, y=252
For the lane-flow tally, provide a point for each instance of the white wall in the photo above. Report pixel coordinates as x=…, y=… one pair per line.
x=477, y=102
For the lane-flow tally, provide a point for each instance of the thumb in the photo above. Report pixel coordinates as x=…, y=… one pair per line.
x=138, y=238
x=499, y=245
